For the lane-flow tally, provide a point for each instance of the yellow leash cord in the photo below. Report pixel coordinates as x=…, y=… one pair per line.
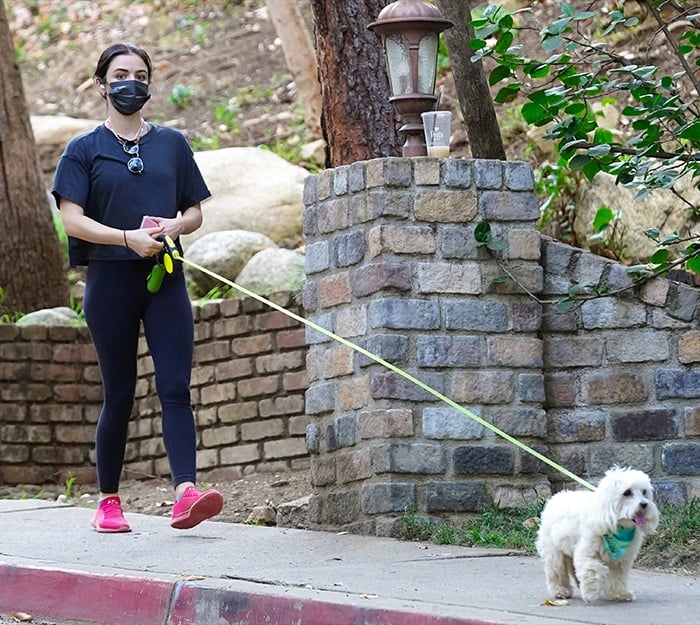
x=176, y=254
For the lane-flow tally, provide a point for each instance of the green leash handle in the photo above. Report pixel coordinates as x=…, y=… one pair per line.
x=164, y=264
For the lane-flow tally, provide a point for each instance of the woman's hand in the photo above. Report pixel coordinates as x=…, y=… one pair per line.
x=143, y=241
x=170, y=227
x=184, y=223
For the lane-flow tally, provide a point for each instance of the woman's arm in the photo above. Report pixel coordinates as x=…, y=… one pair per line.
x=77, y=224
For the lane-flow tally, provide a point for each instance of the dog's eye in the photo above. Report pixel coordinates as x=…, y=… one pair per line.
x=627, y=493
x=644, y=492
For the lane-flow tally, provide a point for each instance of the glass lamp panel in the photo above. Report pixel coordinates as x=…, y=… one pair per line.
x=427, y=63
x=399, y=66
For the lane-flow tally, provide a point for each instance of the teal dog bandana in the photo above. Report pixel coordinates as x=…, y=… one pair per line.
x=616, y=544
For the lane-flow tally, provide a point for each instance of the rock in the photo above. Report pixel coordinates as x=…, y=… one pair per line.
x=252, y=189
x=273, y=270
x=57, y=130
x=52, y=132
x=262, y=515
x=660, y=209
x=60, y=316
x=294, y=513
x=225, y=253
x=314, y=151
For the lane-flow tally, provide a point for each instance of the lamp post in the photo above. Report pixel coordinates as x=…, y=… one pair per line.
x=410, y=31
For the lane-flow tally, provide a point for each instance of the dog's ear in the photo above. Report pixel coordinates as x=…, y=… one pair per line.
x=653, y=517
x=606, y=504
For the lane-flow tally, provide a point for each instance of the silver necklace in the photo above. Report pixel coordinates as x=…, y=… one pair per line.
x=131, y=147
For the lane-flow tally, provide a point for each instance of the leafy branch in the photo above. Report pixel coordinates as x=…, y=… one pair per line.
x=561, y=90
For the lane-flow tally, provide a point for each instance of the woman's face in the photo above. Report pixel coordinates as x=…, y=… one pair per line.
x=126, y=67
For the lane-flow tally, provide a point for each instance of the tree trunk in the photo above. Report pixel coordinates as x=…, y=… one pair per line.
x=472, y=86
x=32, y=269
x=357, y=119
x=301, y=59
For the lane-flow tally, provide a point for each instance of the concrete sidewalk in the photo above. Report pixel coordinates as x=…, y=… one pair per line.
x=54, y=566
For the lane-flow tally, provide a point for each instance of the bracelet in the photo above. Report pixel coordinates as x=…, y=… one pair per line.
x=126, y=243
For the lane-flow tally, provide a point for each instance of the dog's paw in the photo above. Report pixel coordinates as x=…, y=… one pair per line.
x=562, y=593
x=623, y=595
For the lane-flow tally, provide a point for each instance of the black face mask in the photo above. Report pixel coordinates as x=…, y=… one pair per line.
x=128, y=96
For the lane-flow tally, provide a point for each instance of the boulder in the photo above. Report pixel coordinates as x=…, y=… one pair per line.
x=660, y=209
x=52, y=132
x=273, y=270
x=57, y=130
x=60, y=316
x=252, y=189
x=225, y=253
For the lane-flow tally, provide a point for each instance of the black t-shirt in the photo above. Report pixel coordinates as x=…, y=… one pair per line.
x=92, y=173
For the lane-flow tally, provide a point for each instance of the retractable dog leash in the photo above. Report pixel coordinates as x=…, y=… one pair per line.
x=171, y=252
x=164, y=265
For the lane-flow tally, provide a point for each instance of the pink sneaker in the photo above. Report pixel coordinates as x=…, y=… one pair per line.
x=195, y=507
x=109, y=516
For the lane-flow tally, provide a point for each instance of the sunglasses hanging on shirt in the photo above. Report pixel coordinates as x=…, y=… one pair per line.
x=131, y=147
x=134, y=164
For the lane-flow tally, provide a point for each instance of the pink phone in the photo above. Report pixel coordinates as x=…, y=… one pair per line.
x=147, y=222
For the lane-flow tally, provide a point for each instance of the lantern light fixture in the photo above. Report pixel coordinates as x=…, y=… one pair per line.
x=410, y=32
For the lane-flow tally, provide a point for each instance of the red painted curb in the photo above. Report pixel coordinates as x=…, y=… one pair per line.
x=71, y=595
x=197, y=605
x=118, y=600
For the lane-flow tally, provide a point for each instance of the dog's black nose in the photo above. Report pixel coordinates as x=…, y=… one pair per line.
x=643, y=505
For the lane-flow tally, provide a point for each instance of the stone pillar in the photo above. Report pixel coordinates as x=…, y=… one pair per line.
x=393, y=265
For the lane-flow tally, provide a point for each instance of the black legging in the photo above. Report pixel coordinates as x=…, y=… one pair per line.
x=116, y=301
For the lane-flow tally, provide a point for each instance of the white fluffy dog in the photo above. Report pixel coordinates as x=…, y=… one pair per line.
x=593, y=537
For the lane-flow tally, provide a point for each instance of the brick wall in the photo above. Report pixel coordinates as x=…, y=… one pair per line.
x=248, y=386
x=393, y=265
x=622, y=374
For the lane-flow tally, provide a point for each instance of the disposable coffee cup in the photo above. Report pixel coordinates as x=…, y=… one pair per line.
x=436, y=125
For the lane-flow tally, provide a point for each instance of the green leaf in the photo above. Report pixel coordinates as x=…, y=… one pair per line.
x=647, y=71
x=579, y=161
x=575, y=108
x=500, y=72
x=599, y=150
x=507, y=94
x=535, y=114
x=565, y=305
x=603, y=217
x=504, y=42
x=602, y=135
x=537, y=70
x=496, y=245
x=506, y=21
x=691, y=132
x=552, y=42
x=591, y=169
x=652, y=233
x=482, y=232
x=693, y=264
x=660, y=257
x=558, y=26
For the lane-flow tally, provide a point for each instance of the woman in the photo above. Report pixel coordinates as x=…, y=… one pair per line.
x=119, y=188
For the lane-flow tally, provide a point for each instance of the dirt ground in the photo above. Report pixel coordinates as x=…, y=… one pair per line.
x=219, y=73
x=155, y=496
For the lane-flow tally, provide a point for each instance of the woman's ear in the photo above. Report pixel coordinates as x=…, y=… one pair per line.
x=99, y=83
